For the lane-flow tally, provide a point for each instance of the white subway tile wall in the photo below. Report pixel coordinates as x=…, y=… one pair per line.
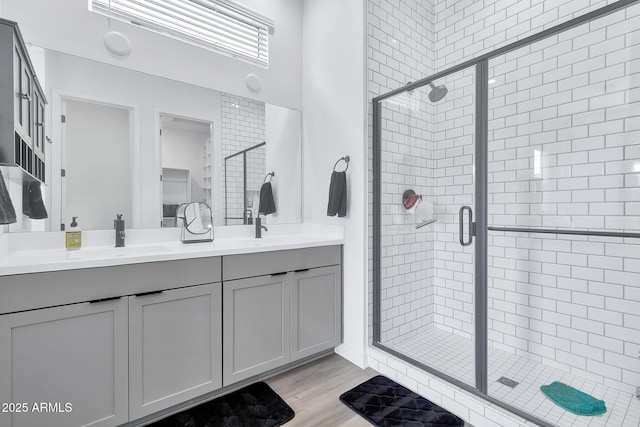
x=243, y=126
x=407, y=254
x=453, y=188
x=574, y=310
x=464, y=29
x=399, y=52
x=558, y=300
x=564, y=152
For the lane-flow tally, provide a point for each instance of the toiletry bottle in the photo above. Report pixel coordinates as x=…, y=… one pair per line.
x=74, y=235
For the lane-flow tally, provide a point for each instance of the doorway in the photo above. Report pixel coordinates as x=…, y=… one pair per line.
x=187, y=164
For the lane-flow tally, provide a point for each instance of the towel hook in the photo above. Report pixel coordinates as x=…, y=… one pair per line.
x=346, y=159
x=270, y=175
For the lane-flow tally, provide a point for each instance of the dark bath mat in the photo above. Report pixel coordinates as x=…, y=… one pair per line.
x=256, y=405
x=384, y=402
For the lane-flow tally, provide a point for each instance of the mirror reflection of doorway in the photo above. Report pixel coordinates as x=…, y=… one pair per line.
x=97, y=182
x=186, y=164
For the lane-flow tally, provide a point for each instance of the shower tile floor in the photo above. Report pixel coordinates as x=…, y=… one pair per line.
x=453, y=354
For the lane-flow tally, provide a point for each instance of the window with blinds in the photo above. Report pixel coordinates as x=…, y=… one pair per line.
x=219, y=25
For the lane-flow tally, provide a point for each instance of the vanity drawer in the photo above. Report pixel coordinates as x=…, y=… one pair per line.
x=259, y=264
x=48, y=289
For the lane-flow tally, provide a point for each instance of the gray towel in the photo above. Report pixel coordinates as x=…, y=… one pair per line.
x=7, y=212
x=32, y=203
x=267, y=203
x=169, y=210
x=338, y=194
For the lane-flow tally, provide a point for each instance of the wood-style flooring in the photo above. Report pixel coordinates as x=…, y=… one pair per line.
x=312, y=391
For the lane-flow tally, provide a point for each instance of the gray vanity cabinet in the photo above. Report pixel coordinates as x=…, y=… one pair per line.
x=256, y=326
x=290, y=310
x=158, y=336
x=174, y=347
x=151, y=339
x=69, y=361
x=316, y=302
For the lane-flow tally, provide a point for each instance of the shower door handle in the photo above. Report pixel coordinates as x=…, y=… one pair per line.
x=461, y=225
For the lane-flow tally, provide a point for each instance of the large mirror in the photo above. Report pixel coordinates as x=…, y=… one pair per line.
x=140, y=145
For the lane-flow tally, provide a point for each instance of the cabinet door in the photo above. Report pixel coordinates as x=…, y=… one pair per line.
x=256, y=326
x=27, y=94
x=175, y=347
x=17, y=85
x=71, y=355
x=316, y=296
x=38, y=123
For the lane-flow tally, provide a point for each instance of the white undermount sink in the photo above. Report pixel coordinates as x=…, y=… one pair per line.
x=111, y=252
x=251, y=241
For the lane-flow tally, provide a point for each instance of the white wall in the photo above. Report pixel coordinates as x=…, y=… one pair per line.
x=68, y=26
x=334, y=125
x=284, y=149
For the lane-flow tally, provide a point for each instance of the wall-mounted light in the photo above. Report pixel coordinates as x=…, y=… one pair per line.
x=253, y=82
x=116, y=42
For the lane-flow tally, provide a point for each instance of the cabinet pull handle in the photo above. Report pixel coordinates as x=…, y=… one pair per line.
x=144, y=294
x=26, y=96
x=103, y=299
x=279, y=274
x=301, y=270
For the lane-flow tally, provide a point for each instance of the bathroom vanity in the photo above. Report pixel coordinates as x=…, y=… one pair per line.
x=125, y=339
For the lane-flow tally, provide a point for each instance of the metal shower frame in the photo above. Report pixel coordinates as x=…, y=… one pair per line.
x=481, y=64
x=242, y=153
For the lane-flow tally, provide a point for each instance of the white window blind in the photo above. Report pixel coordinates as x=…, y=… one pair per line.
x=220, y=25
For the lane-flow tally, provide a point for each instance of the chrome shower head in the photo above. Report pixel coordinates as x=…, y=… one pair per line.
x=437, y=92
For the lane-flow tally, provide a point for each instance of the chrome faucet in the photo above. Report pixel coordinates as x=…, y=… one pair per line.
x=118, y=224
x=259, y=227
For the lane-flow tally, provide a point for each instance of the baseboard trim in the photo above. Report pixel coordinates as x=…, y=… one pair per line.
x=354, y=356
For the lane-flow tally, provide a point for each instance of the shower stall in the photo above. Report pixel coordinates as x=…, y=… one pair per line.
x=523, y=266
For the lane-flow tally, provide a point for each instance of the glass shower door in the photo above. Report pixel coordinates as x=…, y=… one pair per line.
x=427, y=188
x=564, y=247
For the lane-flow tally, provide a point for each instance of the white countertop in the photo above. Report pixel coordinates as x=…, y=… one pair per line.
x=21, y=259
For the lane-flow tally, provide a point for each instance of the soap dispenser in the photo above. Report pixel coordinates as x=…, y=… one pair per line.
x=74, y=235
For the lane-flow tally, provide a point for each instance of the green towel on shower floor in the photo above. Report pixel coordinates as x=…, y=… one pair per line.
x=573, y=400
